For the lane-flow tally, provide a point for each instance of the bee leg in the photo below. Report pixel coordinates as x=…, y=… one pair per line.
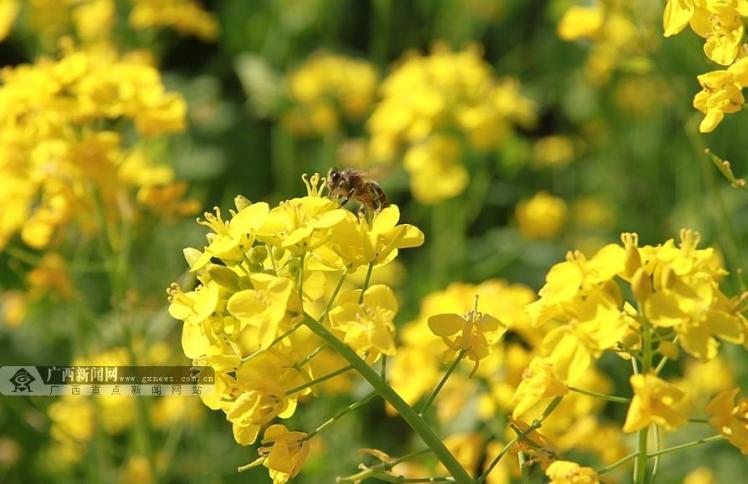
x=379, y=196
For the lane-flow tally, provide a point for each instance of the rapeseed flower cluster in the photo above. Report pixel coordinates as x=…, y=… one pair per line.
x=617, y=42
x=510, y=358
x=434, y=108
x=676, y=298
x=66, y=153
x=722, y=26
x=264, y=271
x=327, y=89
x=94, y=21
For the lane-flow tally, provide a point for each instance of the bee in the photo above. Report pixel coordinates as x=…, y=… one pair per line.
x=348, y=183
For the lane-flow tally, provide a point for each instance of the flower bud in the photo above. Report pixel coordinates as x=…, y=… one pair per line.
x=633, y=260
x=241, y=202
x=258, y=254
x=669, y=350
x=278, y=253
x=641, y=285
x=191, y=255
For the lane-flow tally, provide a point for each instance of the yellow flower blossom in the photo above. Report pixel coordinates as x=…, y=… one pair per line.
x=718, y=21
x=263, y=307
x=566, y=472
x=367, y=326
x=541, y=217
x=473, y=333
x=730, y=416
x=283, y=452
x=655, y=401
x=61, y=167
x=538, y=387
x=358, y=242
x=721, y=94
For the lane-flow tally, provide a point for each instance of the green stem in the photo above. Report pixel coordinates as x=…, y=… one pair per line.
x=536, y=424
x=603, y=396
x=658, y=444
x=617, y=463
x=340, y=414
x=319, y=380
x=388, y=478
x=273, y=343
x=310, y=356
x=410, y=416
x=640, y=470
x=367, y=281
x=524, y=471
x=442, y=382
x=382, y=467
x=706, y=440
x=664, y=359
x=334, y=295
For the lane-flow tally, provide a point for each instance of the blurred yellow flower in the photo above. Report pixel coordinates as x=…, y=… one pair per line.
x=700, y=475
x=556, y=150
x=655, y=401
x=581, y=23
x=565, y=472
x=8, y=11
x=730, y=417
x=184, y=16
x=328, y=88
x=435, y=107
x=61, y=167
x=541, y=217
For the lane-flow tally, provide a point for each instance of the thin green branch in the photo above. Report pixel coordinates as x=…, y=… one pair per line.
x=319, y=380
x=367, y=281
x=410, y=416
x=442, y=382
x=603, y=396
x=618, y=463
x=340, y=414
x=705, y=440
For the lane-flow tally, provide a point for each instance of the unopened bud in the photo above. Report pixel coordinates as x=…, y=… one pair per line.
x=241, y=202
x=669, y=349
x=633, y=260
x=258, y=254
x=641, y=285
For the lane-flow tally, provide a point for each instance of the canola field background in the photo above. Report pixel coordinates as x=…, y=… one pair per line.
x=553, y=289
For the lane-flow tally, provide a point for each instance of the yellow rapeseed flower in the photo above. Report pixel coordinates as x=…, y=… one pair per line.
x=541, y=217
x=655, y=401
x=566, y=472
x=328, y=88
x=721, y=93
x=730, y=417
